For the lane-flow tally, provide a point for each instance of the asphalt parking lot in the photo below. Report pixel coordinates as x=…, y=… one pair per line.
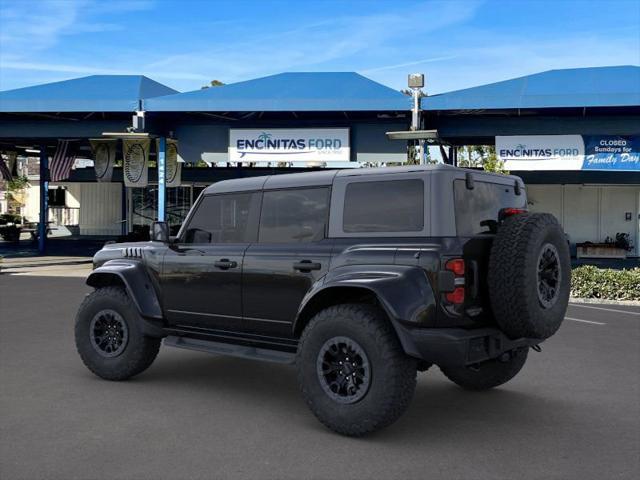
x=573, y=412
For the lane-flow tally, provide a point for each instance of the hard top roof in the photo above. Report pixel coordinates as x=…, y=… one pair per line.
x=317, y=178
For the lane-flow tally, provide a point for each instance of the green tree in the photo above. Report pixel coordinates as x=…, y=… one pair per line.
x=492, y=163
x=475, y=156
x=213, y=83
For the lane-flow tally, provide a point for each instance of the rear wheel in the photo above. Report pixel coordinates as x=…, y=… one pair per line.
x=489, y=374
x=352, y=370
x=108, y=336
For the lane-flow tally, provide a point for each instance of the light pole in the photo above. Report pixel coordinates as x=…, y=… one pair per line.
x=416, y=83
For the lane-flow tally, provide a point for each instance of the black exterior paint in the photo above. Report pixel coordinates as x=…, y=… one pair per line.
x=262, y=294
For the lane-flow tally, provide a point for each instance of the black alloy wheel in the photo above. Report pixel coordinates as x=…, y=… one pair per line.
x=549, y=275
x=343, y=370
x=108, y=333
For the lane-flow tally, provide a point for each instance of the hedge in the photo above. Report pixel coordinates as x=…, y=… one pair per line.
x=588, y=281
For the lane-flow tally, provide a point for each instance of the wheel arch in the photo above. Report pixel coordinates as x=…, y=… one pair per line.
x=334, y=295
x=132, y=276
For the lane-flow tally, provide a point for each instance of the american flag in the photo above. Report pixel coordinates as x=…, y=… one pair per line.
x=4, y=170
x=62, y=161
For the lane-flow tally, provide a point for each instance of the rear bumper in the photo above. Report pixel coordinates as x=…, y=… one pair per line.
x=458, y=346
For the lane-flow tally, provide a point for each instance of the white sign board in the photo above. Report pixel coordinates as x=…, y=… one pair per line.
x=289, y=145
x=541, y=152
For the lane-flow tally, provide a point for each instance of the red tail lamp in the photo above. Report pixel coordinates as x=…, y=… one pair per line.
x=508, y=212
x=457, y=296
x=456, y=266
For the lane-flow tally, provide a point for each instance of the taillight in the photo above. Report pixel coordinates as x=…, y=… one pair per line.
x=456, y=266
x=508, y=212
x=457, y=296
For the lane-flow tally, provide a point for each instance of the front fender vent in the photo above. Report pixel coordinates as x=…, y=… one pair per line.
x=132, y=252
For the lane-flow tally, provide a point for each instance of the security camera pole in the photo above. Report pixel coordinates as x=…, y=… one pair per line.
x=416, y=83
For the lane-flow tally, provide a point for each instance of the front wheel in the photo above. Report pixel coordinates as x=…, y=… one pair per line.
x=352, y=370
x=489, y=374
x=108, y=336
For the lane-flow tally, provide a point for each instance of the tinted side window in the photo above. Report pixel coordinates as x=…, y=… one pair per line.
x=295, y=215
x=384, y=206
x=482, y=204
x=224, y=219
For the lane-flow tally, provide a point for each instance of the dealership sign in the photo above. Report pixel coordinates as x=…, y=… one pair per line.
x=611, y=152
x=541, y=152
x=569, y=152
x=289, y=145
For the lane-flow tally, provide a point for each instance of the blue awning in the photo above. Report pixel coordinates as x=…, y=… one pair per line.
x=288, y=92
x=96, y=93
x=577, y=87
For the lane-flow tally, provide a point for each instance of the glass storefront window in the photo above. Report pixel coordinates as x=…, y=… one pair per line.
x=178, y=205
x=144, y=207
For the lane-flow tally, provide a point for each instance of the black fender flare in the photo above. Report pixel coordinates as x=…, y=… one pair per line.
x=133, y=275
x=404, y=292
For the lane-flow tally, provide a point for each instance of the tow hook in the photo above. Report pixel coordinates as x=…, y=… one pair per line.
x=536, y=348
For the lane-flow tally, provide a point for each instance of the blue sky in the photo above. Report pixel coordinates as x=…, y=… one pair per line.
x=184, y=44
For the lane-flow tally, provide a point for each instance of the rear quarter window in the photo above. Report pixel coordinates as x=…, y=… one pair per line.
x=477, y=207
x=384, y=206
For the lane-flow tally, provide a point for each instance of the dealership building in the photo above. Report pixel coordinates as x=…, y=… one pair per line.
x=572, y=135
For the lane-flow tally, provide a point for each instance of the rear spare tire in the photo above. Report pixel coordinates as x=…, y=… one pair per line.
x=529, y=275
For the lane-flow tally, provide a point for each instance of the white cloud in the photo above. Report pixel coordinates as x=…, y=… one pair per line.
x=30, y=27
x=346, y=40
x=408, y=64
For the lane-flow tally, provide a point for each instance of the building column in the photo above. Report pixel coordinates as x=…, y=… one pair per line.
x=44, y=200
x=162, y=178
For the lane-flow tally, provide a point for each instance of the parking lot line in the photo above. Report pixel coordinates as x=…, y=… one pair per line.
x=603, y=308
x=584, y=321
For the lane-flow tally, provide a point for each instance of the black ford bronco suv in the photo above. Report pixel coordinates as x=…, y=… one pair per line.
x=359, y=277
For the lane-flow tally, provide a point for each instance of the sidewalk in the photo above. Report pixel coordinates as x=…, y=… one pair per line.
x=45, y=261
x=47, y=266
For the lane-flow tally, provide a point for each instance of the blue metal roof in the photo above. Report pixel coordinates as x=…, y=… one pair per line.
x=96, y=93
x=576, y=87
x=288, y=92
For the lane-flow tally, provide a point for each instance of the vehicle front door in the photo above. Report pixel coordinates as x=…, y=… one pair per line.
x=291, y=254
x=202, y=271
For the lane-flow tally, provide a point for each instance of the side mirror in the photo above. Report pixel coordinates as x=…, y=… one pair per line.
x=160, y=232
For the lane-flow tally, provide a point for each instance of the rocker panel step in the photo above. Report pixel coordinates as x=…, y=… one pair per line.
x=220, y=348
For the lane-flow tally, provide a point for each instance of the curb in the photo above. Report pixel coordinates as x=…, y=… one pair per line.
x=8, y=266
x=601, y=301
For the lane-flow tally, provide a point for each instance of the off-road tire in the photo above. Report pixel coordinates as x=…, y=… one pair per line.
x=489, y=374
x=393, y=373
x=140, y=350
x=513, y=275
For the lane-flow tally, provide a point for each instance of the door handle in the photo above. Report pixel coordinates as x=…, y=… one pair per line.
x=225, y=264
x=306, y=266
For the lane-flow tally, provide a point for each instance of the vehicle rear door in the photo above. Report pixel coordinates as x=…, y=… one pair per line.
x=291, y=254
x=202, y=272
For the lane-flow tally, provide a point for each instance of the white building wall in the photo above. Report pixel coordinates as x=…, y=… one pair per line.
x=31, y=209
x=590, y=213
x=100, y=208
x=581, y=213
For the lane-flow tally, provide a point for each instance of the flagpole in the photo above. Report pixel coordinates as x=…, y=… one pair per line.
x=162, y=177
x=44, y=200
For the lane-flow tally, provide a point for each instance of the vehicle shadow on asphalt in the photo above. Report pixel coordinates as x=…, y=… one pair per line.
x=440, y=410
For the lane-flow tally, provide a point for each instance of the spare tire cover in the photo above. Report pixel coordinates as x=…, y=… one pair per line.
x=529, y=275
